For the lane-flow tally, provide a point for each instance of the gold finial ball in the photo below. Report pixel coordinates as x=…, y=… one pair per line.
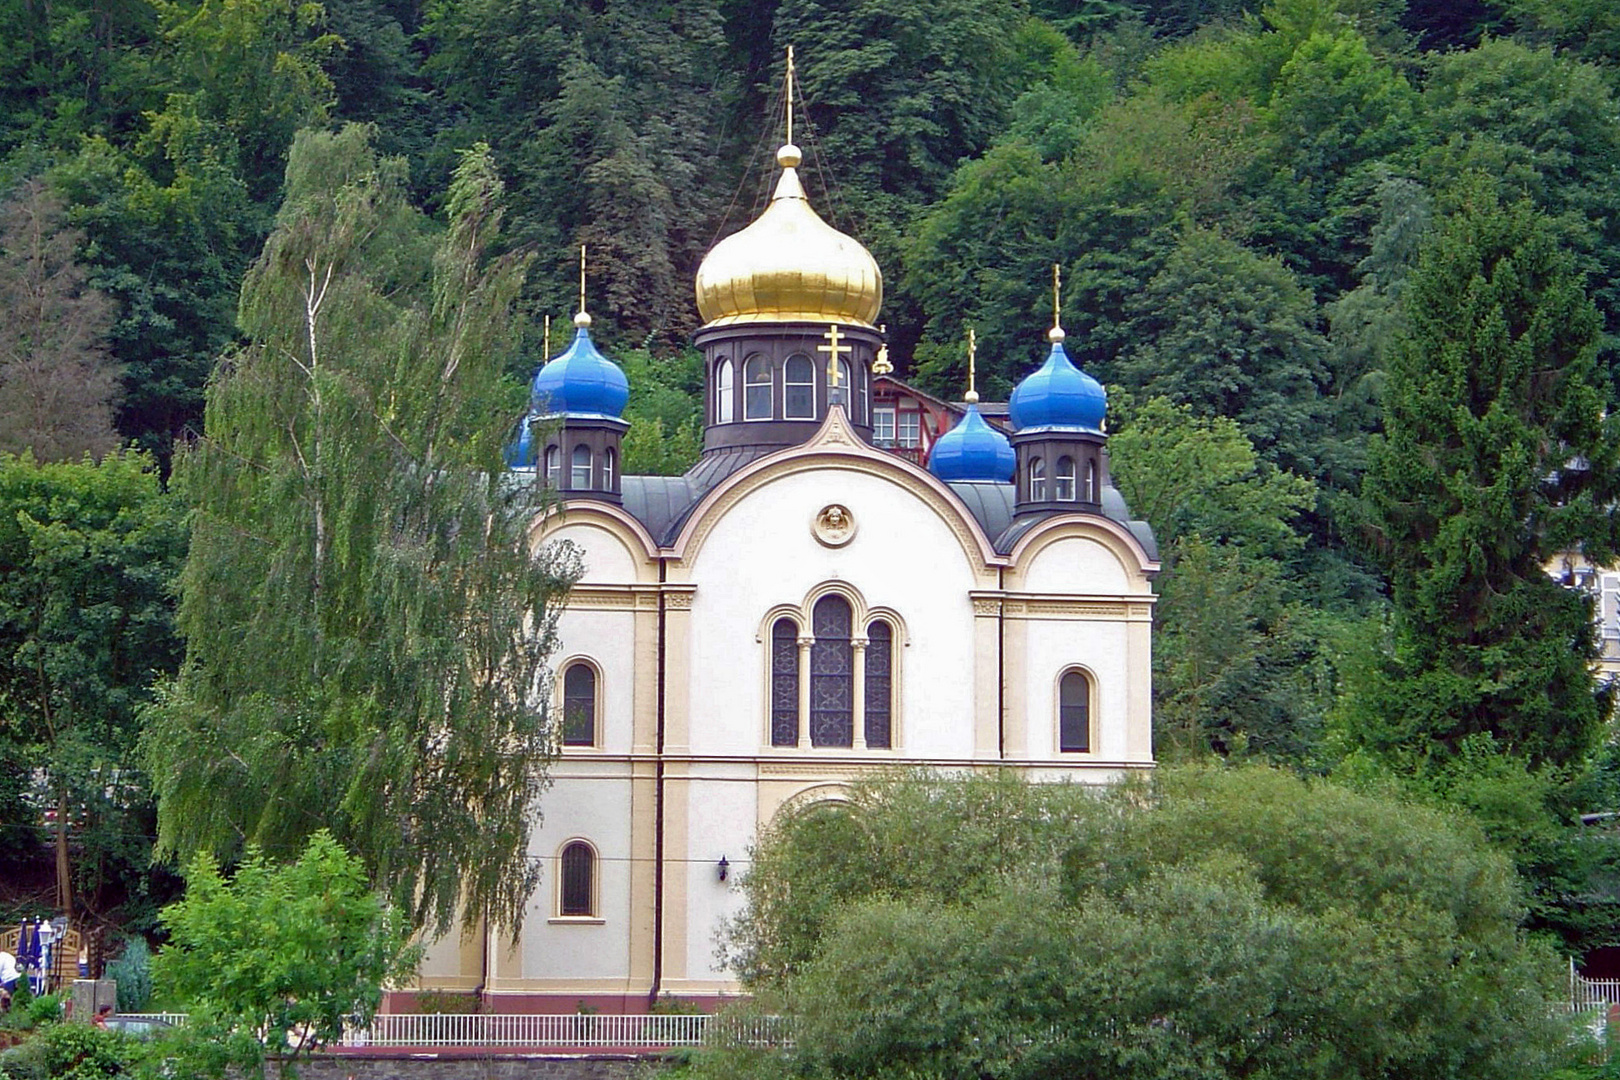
x=972, y=397
x=789, y=156
x=582, y=320
x=1055, y=334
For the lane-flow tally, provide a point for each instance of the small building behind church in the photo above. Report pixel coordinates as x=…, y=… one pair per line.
x=825, y=594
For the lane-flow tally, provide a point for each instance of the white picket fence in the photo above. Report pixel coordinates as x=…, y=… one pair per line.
x=1592, y=994
x=568, y=1031
x=565, y=1031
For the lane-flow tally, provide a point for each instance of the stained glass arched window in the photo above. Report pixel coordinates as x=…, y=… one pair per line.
x=879, y=684
x=576, y=882
x=832, y=674
x=785, y=683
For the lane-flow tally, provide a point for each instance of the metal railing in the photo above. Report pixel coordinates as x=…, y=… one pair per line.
x=1592, y=994
x=175, y=1018
x=565, y=1031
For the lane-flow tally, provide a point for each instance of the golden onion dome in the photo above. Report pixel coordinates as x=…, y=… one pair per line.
x=789, y=266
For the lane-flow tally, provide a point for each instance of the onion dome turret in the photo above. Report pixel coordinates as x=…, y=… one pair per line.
x=972, y=451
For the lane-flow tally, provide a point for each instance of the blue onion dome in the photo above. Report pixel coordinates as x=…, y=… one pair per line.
x=973, y=450
x=580, y=381
x=520, y=452
x=1058, y=395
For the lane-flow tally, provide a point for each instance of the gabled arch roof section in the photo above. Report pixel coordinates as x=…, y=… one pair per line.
x=1034, y=534
x=835, y=444
x=603, y=514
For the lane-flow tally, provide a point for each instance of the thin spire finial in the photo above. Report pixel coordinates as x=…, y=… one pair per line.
x=1056, y=333
x=790, y=95
x=545, y=339
x=582, y=319
x=973, y=357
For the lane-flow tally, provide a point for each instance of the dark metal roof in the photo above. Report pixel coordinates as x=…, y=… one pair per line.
x=990, y=504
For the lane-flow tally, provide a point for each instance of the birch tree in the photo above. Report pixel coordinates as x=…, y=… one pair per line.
x=365, y=624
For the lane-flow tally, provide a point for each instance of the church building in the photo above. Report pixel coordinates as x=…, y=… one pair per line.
x=800, y=609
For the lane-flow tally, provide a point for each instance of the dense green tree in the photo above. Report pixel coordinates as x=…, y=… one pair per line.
x=1496, y=457
x=88, y=555
x=665, y=412
x=278, y=961
x=365, y=624
x=1224, y=923
x=57, y=385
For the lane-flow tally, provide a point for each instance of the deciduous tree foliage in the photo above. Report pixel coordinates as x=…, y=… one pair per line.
x=365, y=624
x=1216, y=923
x=278, y=960
x=89, y=552
x=57, y=383
x=1496, y=457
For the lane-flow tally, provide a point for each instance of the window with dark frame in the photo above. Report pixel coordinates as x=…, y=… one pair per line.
x=576, y=884
x=799, y=393
x=1037, y=480
x=832, y=667
x=725, y=409
x=1074, y=713
x=757, y=391
x=1064, y=479
x=879, y=684
x=581, y=476
x=554, y=466
x=785, y=683
x=579, y=705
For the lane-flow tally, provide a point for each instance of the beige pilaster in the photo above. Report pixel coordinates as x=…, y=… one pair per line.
x=985, y=697
x=1015, y=675
x=858, y=674
x=804, y=692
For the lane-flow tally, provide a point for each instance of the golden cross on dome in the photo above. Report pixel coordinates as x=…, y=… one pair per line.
x=973, y=352
x=833, y=349
x=790, y=95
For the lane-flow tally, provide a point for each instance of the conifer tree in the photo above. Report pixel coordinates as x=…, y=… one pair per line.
x=1496, y=458
x=365, y=625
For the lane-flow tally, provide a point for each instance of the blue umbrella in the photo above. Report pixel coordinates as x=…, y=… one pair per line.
x=28, y=946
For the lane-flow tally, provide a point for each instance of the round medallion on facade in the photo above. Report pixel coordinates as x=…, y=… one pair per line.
x=834, y=526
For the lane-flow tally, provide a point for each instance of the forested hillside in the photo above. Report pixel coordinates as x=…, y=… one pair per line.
x=1350, y=268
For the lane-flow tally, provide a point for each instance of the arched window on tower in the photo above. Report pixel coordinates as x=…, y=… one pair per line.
x=608, y=465
x=800, y=389
x=580, y=479
x=554, y=466
x=832, y=670
x=757, y=388
x=576, y=881
x=579, y=705
x=785, y=683
x=725, y=394
x=1091, y=481
x=1037, y=480
x=1074, y=713
x=879, y=684
x=846, y=386
x=1064, y=479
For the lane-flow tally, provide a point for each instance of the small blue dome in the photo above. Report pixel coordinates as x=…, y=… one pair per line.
x=580, y=382
x=973, y=450
x=520, y=452
x=1059, y=395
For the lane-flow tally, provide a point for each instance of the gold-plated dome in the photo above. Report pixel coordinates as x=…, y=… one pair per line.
x=789, y=266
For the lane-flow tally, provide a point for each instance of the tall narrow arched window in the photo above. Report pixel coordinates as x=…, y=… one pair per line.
x=608, y=465
x=799, y=393
x=832, y=674
x=1074, y=712
x=576, y=883
x=1063, y=479
x=846, y=385
x=757, y=388
x=785, y=683
x=554, y=466
x=879, y=684
x=580, y=479
x=1037, y=480
x=1091, y=481
x=579, y=705
x=725, y=394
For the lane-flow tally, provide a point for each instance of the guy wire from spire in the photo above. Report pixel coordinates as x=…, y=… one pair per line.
x=748, y=173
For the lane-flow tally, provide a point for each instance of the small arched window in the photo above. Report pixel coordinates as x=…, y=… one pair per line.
x=579, y=705
x=607, y=469
x=580, y=479
x=879, y=684
x=757, y=388
x=1074, y=713
x=576, y=888
x=785, y=683
x=1064, y=479
x=554, y=466
x=725, y=394
x=846, y=386
x=799, y=378
x=1091, y=481
x=832, y=672
x=1037, y=480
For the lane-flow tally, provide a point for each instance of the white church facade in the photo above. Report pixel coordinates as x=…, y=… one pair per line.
x=800, y=609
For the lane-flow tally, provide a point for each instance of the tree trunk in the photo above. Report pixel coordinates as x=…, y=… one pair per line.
x=64, y=869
